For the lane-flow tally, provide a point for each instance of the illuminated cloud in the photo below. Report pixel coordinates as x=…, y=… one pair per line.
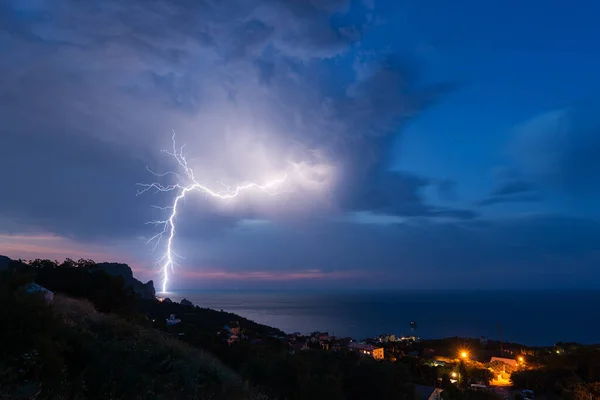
x=249, y=86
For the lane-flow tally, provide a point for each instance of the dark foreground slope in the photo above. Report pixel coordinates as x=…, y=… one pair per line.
x=71, y=351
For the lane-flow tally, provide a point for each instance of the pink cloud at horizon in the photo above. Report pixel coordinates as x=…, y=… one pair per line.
x=269, y=275
x=47, y=246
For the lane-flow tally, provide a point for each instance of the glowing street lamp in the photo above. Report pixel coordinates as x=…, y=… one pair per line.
x=464, y=354
x=454, y=374
x=521, y=360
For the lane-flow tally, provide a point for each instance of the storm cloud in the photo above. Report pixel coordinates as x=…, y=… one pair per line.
x=92, y=91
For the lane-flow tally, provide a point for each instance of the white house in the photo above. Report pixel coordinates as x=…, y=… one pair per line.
x=172, y=320
x=35, y=288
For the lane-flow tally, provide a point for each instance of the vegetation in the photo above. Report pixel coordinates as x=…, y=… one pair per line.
x=318, y=374
x=71, y=351
x=575, y=376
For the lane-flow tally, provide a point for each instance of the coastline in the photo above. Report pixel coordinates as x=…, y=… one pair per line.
x=534, y=318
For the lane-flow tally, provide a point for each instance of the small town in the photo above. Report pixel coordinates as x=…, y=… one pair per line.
x=478, y=365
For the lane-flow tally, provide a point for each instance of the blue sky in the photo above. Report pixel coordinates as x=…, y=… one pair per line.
x=427, y=143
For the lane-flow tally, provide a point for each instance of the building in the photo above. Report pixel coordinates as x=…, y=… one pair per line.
x=367, y=350
x=297, y=346
x=232, y=328
x=387, y=338
x=172, y=320
x=437, y=363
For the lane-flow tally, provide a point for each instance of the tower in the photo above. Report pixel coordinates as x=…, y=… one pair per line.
x=413, y=327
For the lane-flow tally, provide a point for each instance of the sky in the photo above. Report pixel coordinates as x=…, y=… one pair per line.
x=425, y=144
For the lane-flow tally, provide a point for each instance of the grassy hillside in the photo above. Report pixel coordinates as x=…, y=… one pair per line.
x=71, y=351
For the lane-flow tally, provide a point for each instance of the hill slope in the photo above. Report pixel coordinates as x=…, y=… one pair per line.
x=73, y=351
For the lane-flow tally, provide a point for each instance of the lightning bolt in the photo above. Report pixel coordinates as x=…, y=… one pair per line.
x=186, y=183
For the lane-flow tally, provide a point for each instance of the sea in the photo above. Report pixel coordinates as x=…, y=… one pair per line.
x=535, y=318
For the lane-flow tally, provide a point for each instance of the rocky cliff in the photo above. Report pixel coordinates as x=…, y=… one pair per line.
x=144, y=290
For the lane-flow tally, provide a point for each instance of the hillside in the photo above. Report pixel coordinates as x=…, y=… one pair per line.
x=102, y=340
x=4, y=262
x=70, y=350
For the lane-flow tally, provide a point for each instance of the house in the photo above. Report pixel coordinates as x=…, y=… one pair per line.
x=319, y=337
x=436, y=363
x=428, y=351
x=35, y=288
x=172, y=320
x=232, y=328
x=323, y=337
x=507, y=361
x=297, y=346
x=427, y=392
x=387, y=338
x=410, y=339
x=367, y=350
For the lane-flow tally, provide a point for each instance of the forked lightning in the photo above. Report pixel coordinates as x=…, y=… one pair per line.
x=186, y=183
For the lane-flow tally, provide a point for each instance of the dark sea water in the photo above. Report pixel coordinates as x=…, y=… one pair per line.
x=533, y=318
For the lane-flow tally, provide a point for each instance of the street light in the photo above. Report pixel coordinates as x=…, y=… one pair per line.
x=454, y=374
x=521, y=360
x=464, y=354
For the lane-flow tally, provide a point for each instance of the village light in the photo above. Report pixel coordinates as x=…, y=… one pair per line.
x=464, y=354
x=520, y=359
x=454, y=374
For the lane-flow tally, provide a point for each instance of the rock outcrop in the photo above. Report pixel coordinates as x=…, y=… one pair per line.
x=186, y=302
x=144, y=290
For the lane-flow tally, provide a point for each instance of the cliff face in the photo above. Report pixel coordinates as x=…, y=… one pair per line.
x=144, y=290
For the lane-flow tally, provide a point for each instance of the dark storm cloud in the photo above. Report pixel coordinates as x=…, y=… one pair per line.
x=90, y=90
x=514, y=252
